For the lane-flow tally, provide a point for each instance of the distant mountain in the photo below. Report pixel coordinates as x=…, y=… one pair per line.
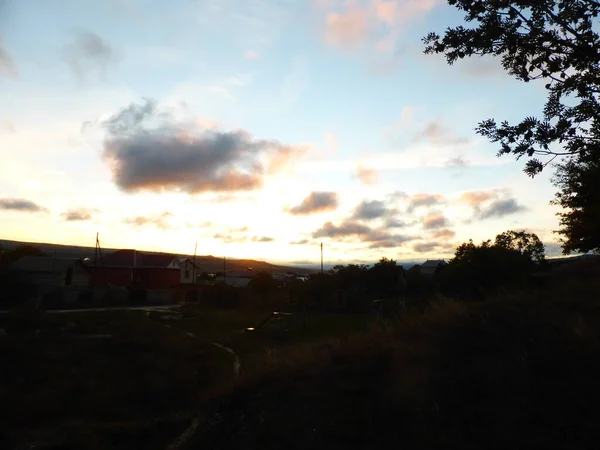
x=205, y=263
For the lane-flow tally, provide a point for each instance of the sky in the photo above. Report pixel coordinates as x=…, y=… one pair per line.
x=256, y=129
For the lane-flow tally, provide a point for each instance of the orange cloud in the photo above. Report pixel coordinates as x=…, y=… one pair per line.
x=476, y=198
x=444, y=233
x=366, y=176
x=349, y=29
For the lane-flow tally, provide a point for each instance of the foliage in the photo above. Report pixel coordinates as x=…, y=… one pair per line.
x=556, y=41
x=263, y=283
x=579, y=182
x=10, y=256
x=526, y=243
x=507, y=262
x=384, y=276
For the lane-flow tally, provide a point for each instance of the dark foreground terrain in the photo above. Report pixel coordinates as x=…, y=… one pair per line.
x=516, y=371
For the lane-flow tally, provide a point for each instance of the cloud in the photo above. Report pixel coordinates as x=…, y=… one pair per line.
x=395, y=223
x=77, y=215
x=458, y=162
x=420, y=200
x=300, y=242
x=348, y=29
x=8, y=126
x=348, y=228
x=494, y=203
x=316, y=202
x=262, y=239
x=373, y=25
x=376, y=238
x=332, y=142
x=434, y=132
x=425, y=247
x=158, y=221
x=88, y=53
x=295, y=82
x=500, y=208
x=7, y=65
x=435, y=220
x=251, y=54
x=368, y=210
x=444, y=233
x=230, y=238
x=366, y=176
x=476, y=198
x=20, y=204
x=148, y=150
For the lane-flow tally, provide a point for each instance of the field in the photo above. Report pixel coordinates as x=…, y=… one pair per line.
x=518, y=370
x=124, y=379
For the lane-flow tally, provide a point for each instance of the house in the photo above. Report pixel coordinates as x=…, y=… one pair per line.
x=50, y=272
x=430, y=267
x=236, y=277
x=131, y=268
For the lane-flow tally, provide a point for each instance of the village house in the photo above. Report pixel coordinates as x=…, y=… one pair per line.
x=430, y=267
x=130, y=268
x=50, y=272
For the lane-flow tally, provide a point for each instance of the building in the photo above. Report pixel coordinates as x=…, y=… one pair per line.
x=50, y=272
x=430, y=267
x=131, y=268
x=236, y=277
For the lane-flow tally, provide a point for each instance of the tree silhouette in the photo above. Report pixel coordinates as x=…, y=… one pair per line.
x=528, y=244
x=556, y=41
x=580, y=196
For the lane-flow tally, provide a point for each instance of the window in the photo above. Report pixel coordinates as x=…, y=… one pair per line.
x=186, y=274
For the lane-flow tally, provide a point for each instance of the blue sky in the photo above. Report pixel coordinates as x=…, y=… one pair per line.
x=256, y=128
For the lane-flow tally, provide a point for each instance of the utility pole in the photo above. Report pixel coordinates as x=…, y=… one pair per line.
x=194, y=263
x=321, y=258
x=224, y=271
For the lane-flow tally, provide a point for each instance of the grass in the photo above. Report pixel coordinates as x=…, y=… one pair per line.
x=520, y=370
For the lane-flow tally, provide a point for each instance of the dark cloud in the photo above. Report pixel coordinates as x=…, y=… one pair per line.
x=419, y=200
x=433, y=221
x=458, y=162
x=382, y=239
x=148, y=151
x=444, y=233
x=20, y=204
x=316, y=202
x=348, y=228
x=158, y=221
x=436, y=133
x=262, y=239
x=393, y=222
x=500, y=208
x=88, y=53
x=376, y=238
x=77, y=215
x=7, y=65
x=370, y=209
x=424, y=247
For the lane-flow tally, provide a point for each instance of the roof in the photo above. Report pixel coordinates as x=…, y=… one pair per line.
x=46, y=264
x=133, y=258
x=433, y=263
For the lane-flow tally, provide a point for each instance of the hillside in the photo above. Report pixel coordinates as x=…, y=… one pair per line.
x=206, y=263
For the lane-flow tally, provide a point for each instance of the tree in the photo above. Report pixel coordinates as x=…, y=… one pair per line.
x=579, y=194
x=384, y=277
x=527, y=244
x=552, y=40
x=506, y=262
x=263, y=284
